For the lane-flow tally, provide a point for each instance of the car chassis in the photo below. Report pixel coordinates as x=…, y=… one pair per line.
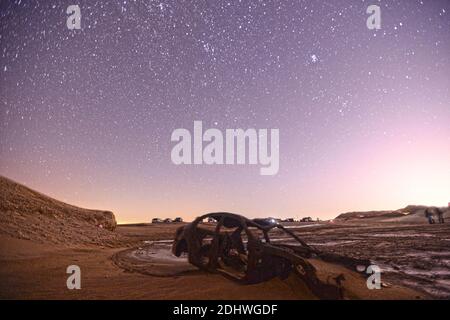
x=222, y=248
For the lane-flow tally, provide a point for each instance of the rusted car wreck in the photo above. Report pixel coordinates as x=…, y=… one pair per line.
x=247, y=251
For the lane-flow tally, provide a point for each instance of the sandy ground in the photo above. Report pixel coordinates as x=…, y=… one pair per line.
x=30, y=270
x=41, y=236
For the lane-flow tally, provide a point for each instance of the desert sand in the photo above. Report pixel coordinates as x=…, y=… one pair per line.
x=40, y=237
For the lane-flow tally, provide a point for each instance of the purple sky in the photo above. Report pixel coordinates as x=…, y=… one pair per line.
x=364, y=115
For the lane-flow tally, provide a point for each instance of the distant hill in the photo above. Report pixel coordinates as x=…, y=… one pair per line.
x=368, y=215
x=411, y=213
x=27, y=214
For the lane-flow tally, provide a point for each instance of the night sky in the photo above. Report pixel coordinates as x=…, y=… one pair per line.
x=364, y=115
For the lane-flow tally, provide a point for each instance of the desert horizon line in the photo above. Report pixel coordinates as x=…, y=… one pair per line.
x=191, y=217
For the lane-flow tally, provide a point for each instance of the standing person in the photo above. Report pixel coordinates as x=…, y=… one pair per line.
x=440, y=214
x=429, y=215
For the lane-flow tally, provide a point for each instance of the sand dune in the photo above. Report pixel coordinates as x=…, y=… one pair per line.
x=30, y=215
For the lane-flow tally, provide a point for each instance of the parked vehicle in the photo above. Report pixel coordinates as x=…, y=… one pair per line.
x=306, y=219
x=167, y=220
x=157, y=220
x=178, y=219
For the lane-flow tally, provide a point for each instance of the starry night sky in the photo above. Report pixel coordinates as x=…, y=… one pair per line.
x=364, y=115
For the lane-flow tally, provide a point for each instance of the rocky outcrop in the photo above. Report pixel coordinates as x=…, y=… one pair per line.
x=369, y=215
x=410, y=213
x=30, y=215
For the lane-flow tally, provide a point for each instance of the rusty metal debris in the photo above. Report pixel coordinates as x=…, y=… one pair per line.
x=242, y=249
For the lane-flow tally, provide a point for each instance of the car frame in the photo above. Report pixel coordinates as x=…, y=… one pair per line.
x=213, y=249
